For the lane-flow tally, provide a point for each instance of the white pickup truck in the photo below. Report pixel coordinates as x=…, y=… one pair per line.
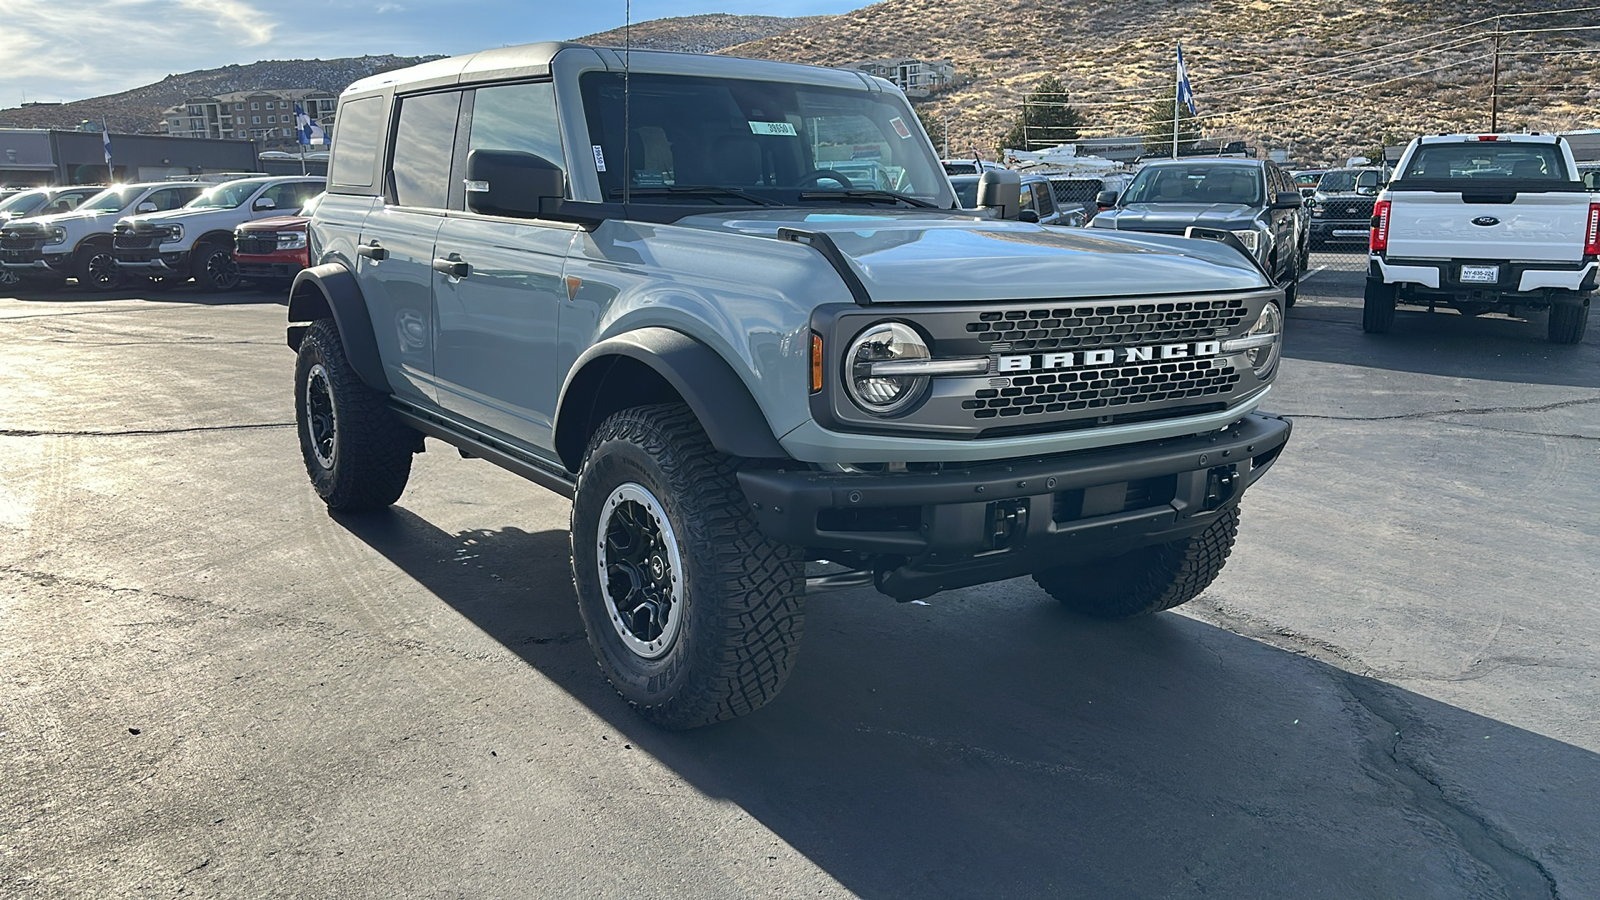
x=1485, y=223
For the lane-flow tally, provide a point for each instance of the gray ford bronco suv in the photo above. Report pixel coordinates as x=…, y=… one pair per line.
x=664, y=286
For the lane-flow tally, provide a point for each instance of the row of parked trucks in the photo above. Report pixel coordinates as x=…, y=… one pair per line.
x=162, y=233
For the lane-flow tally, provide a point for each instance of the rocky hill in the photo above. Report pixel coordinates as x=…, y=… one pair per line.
x=139, y=110
x=1323, y=77
x=702, y=34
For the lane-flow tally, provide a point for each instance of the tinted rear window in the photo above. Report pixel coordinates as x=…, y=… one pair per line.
x=356, y=134
x=1487, y=160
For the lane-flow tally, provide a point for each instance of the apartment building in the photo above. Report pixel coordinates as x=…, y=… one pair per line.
x=264, y=116
x=917, y=77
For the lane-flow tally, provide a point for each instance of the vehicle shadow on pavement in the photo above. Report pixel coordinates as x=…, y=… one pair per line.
x=990, y=744
x=178, y=294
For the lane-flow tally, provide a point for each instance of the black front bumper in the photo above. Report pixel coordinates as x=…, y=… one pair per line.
x=956, y=527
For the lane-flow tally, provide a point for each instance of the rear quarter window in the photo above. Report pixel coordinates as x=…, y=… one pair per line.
x=357, y=134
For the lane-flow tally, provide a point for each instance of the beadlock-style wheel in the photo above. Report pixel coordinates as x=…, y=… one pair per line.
x=322, y=422
x=637, y=557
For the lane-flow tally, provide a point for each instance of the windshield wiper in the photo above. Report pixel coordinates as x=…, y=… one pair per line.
x=867, y=194
x=696, y=190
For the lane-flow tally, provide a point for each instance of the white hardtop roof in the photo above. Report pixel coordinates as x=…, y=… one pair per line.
x=1473, y=137
x=534, y=60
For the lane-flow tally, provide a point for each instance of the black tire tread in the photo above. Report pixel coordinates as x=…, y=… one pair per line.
x=372, y=461
x=755, y=585
x=1568, y=323
x=1147, y=580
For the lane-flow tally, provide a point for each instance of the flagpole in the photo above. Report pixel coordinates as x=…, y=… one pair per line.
x=1177, y=97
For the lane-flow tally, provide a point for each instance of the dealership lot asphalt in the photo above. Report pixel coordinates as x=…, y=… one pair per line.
x=211, y=687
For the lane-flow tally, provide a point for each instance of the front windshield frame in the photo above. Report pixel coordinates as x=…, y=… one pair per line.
x=228, y=195
x=731, y=141
x=99, y=202
x=1144, y=189
x=19, y=202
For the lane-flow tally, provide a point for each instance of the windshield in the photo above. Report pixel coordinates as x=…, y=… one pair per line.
x=23, y=203
x=767, y=141
x=1196, y=184
x=111, y=200
x=1488, y=159
x=225, y=196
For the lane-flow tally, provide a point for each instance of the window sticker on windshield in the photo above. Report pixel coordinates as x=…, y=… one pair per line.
x=900, y=127
x=782, y=129
x=599, y=158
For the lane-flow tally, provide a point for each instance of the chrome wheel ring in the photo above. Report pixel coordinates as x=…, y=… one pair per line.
x=322, y=420
x=640, y=570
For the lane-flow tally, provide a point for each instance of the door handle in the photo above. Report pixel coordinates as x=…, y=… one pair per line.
x=453, y=267
x=374, y=252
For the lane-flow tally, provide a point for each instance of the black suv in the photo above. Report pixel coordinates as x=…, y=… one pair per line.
x=1253, y=200
x=1341, y=207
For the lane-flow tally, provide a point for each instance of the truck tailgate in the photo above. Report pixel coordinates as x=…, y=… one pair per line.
x=1536, y=227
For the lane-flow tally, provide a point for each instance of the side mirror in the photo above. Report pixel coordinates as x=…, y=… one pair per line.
x=145, y=207
x=1001, y=191
x=1106, y=199
x=1028, y=215
x=265, y=203
x=512, y=183
x=1287, y=200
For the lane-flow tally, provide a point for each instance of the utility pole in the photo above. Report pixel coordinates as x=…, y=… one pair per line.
x=1494, y=87
x=944, y=126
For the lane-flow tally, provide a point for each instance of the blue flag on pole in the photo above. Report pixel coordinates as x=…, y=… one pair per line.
x=1185, y=94
x=310, y=132
x=105, y=140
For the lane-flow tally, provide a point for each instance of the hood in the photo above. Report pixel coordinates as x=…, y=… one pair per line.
x=176, y=215
x=920, y=256
x=1174, y=217
x=276, y=223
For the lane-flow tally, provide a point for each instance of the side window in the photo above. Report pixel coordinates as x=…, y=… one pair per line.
x=517, y=117
x=1027, y=198
x=422, y=149
x=357, y=132
x=1047, y=206
x=168, y=198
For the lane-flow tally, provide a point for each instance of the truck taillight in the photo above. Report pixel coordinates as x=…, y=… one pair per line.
x=1591, y=234
x=1380, y=225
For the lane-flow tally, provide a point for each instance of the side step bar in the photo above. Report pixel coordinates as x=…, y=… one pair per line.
x=546, y=475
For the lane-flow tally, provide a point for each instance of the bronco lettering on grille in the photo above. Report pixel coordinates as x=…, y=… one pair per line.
x=1107, y=357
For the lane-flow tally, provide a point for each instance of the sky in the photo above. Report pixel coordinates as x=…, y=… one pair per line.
x=59, y=50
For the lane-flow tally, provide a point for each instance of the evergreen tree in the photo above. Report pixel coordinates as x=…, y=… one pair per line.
x=1046, y=119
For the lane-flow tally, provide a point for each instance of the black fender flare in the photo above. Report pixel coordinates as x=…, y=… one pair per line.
x=712, y=389
x=331, y=290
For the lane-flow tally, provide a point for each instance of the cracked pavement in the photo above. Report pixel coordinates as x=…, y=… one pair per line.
x=213, y=687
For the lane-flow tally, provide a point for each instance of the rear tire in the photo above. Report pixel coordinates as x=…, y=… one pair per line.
x=1147, y=580
x=1568, y=323
x=694, y=615
x=357, y=454
x=1377, y=307
x=1291, y=290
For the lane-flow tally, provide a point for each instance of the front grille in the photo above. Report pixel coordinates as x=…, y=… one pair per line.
x=1107, y=388
x=133, y=240
x=256, y=245
x=1346, y=209
x=1093, y=326
x=20, y=242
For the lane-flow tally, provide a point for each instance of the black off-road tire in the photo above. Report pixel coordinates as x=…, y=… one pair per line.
x=1568, y=323
x=96, y=269
x=357, y=454
x=214, y=267
x=741, y=595
x=1291, y=289
x=1147, y=580
x=1377, y=307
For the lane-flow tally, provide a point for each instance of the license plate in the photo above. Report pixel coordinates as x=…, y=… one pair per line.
x=1480, y=274
x=1349, y=232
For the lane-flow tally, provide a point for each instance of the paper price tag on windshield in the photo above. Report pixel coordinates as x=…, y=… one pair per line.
x=900, y=127
x=781, y=129
x=599, y=158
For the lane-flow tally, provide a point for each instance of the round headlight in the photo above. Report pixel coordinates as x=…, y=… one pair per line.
x=882, y=394
x=1264, y=359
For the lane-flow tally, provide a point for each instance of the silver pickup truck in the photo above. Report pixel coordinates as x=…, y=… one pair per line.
x=664, y=286
x=1485, y=223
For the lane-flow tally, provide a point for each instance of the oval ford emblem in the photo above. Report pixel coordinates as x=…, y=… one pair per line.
x=1486, y=221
